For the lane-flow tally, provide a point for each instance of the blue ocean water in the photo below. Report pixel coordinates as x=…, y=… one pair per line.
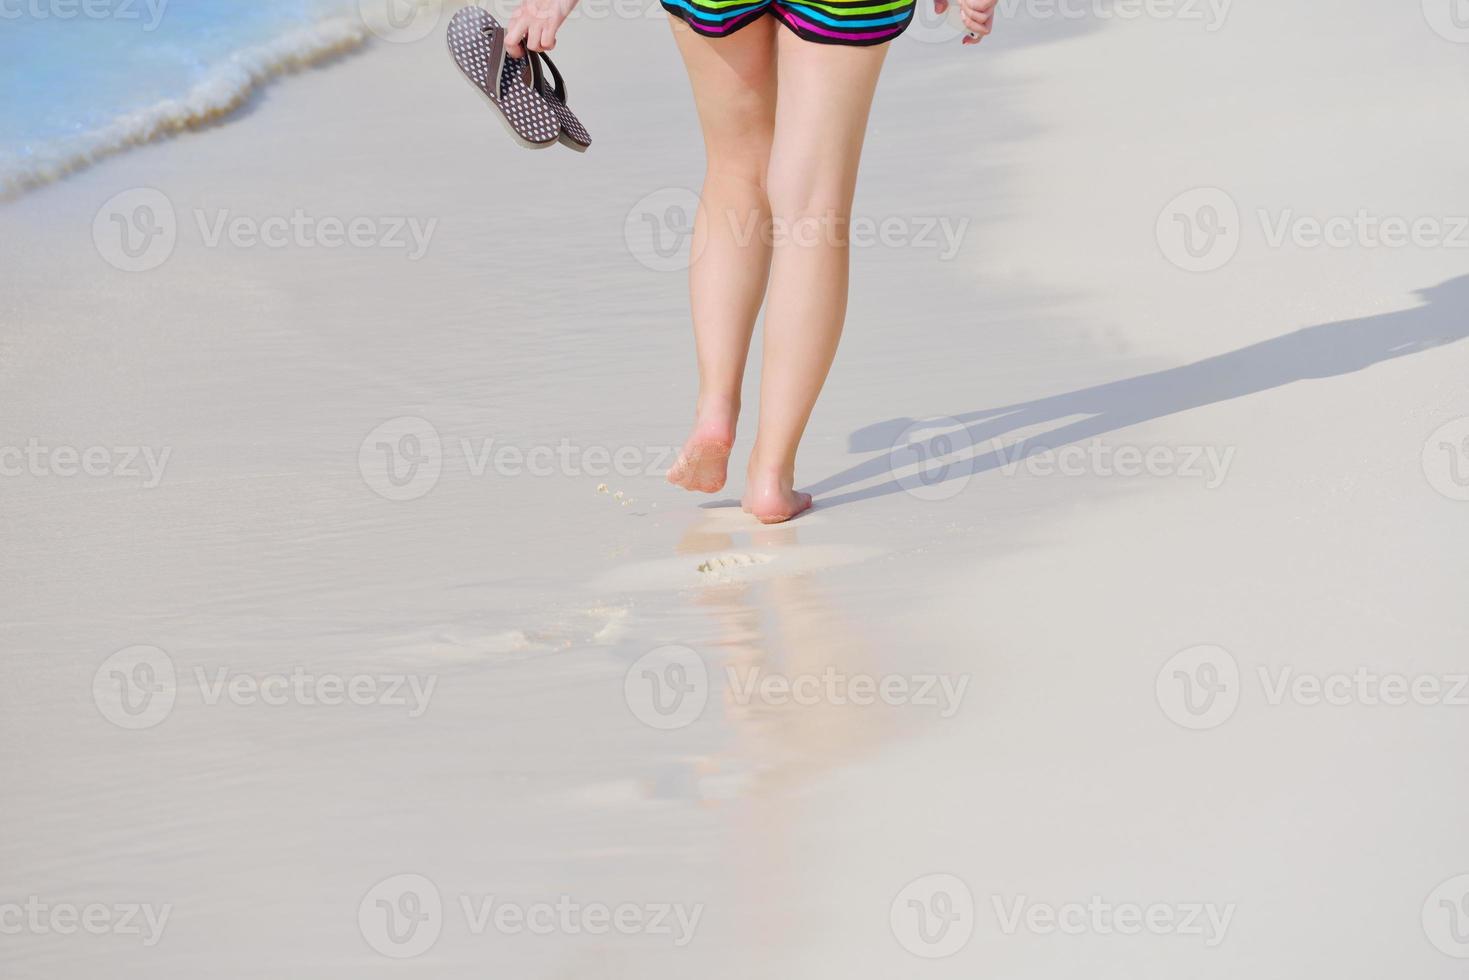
x=86, y=77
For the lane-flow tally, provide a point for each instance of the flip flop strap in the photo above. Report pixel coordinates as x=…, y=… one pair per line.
x=559, y=89
x=497, y=58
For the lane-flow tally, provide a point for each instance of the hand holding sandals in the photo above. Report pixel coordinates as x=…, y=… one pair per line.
x=978, y=16
x=534, y=25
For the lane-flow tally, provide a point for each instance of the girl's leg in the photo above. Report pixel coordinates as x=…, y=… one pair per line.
x=825, y=94
x=734, y=89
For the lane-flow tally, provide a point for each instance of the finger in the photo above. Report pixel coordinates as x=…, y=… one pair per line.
x=548, y=35
x=533, y=37
x=514, y=35
x=940, y=6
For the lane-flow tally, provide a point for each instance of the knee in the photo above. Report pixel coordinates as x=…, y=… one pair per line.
x=805, y=210
x=800, y=195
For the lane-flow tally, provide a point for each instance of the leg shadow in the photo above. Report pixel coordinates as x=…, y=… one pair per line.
x=1322, y=351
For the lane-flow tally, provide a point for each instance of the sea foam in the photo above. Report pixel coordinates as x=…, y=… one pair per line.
x=224, y=87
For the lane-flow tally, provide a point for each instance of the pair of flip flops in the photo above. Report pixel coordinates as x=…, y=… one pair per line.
x=531, y=104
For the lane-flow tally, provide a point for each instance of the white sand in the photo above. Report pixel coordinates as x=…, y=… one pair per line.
x=1317, y=374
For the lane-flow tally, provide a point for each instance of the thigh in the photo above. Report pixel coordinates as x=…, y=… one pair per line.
x=825, y=95
x=734, y=83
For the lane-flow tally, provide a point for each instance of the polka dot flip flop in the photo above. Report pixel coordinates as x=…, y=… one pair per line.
x=477, y=42
x=553, y=90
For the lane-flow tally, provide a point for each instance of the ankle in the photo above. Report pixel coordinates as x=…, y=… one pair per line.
x=717, y=415
x=770, y=473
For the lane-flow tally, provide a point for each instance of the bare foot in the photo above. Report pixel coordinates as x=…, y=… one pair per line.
x=704, y=463
x=772, y=500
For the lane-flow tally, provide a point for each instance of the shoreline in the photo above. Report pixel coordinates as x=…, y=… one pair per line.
x=227, y=88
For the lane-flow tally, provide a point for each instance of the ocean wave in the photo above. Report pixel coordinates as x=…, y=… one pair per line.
x=225, y=88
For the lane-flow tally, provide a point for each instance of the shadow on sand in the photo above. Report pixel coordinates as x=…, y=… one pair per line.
x=1322, y=351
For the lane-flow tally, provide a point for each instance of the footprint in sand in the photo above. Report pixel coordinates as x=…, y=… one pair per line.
x=723, y=566
x=694, y=571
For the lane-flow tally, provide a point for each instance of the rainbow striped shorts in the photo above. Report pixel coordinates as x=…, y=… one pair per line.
x=823, y=21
